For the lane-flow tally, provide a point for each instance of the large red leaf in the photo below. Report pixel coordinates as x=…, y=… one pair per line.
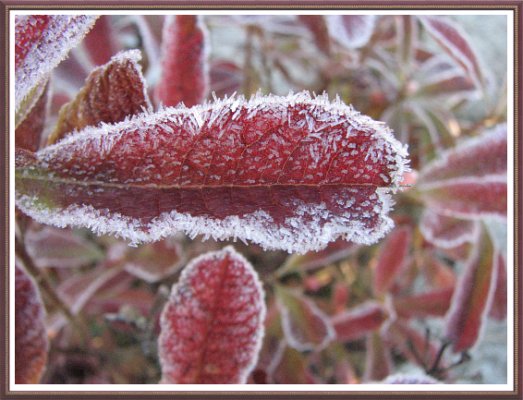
x=457, y=185
x=212, y=325
x=472, y=296
x=111, y=93
x=42, y=41
x=185, y=75
x=392, y=258
x=450, y=37
x=353, y=31
x=358, y=321
x=30, y=335
x=446, y=232
x=292, y=173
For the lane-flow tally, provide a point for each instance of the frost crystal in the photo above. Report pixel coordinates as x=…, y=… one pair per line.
x=291, y=173
x=212, y=325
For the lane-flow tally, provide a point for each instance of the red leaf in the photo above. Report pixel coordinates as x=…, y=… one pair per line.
x=466, y=316
x=498, y=308
x=292, y=369
x=290, y=173
x=353, y=31
x=28, y=133
x=100, y=42
x=446, y=232
x=378, y=362
x=392, y=259
x=31, y=343
x=111, y=93
x=359, y=321
x=457, y=185
x=433, y=303
x=42, y=41
x=185, y=76
x=305, y=326
x=318, y=27
x=450, y=37
x=212, y=325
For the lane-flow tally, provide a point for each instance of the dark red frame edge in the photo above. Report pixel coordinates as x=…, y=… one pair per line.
x=4, y=195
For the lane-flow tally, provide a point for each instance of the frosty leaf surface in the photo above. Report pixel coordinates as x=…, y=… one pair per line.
x=291, y=173
x=31, y=342
x=353, y=31
x=28, y=133
x=305, y=326
x=185, y=75
x=457, y=185
x=111, y=93
x=392, y=258
x=446, y=232
x=212, y=324
x=42, y=41
x=472, y=296
x=358, y=321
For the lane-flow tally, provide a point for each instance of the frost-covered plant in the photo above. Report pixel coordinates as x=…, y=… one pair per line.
x=139, y=138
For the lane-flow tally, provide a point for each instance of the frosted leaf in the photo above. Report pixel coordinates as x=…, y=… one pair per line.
x=353, y=31
x=111, y=93
x=457, y=185
x=42, y=41
x=212, y=324
x=185, y=75
x=305, y=326
x=358, y=321
x=31, y=344
x=446, y=232
x=28, y=133
x=250, y=170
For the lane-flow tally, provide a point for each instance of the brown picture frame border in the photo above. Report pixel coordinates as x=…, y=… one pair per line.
x=516, y=6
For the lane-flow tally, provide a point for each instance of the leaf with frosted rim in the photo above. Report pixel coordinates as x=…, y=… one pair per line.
x=391, y=260
x=185, y=75
x=111, y=93
x=31, y=344
x=498, y=308
x=378, y=361
x=212, y=324
x=291, y=173
x=446, y=232
x=432, y=303
x=457, y=185
x=305, y=326
x=42, y=41
x=472, y=297
x=455, y=42
x=28, y=134
x=358, y=321
x=353, y=31
x=60, y=248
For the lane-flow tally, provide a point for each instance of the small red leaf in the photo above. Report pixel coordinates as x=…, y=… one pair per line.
x=291, y=173
x=185, y=76
x=498, y=309
x=305, y=326
x=318, y=27
x=433, y=303
x=474, y=290
x=28, y=133
x=42, y=41
x=358, y=321
x=446, y=232
x=378, y=362
x=353, y=31
x=392, y=258
x=31, y=343
x=212, y=325
x=457, y=185
x=111, y=93
x=450, y=37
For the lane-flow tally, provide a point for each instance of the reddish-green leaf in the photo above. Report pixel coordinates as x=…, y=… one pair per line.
x=378, y=362
x=28, y=133
x=433, y=303
x=185, y=76
x=353, y=31
x=306, y=327
x=391, y=260
x=457, y=185
x=498, y=308
x=111, y=93
x=212, y=325
x=42, y=41
x=446, y=232
x=358, y=321
x=466, y=316
x=292, y=368
x=30, y=335
x=292, y=173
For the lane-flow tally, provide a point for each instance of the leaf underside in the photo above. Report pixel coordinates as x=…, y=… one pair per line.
x=291, y=173
x=212, y=325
